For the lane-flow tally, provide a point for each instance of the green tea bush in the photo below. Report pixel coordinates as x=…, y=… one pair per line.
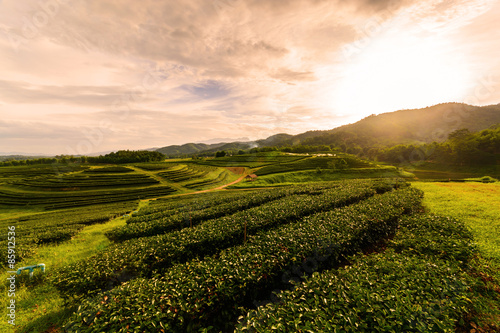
x=145, y=256
x=437, y=236
x=417, y=285
x=386, y=292
x=155, y=224
x=69, y=199
x=52, y=227
x=209, y=292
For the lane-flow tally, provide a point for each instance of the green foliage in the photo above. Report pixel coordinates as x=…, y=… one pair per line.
x=68, y=199
x=170, y=206
x=54, y=227
x=209, y=292
x=311, y=163
x=385, y=292
x=186, y=172
x=65, y=186
x=462, y=148
x=119, y=157
x=434, y=236
x=144, y=256
x=26, y=160
x=253, y=160
x=306, y=176
x=10, y=174
x=155, y=166
x=163, y=222
x=300, y=149
x=220, y=153
x=111, y=169
x=128, y=156
x=476, y=204
x=418, y=285
x=90, y=179
x=221, y=178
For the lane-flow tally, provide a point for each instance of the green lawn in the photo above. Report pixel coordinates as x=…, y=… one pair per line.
x=477, y=204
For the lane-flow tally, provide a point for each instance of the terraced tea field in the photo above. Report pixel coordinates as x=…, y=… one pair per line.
x=288, y=258
x=84, y=186
x=347, y=256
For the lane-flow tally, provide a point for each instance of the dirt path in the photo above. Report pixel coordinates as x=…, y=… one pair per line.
x=220, y=187
x=241, y=171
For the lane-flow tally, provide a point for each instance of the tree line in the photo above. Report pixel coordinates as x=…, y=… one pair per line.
x=119, y=157
x=462, y=148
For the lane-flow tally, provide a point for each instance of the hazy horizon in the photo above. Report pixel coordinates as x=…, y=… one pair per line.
x=91, y=76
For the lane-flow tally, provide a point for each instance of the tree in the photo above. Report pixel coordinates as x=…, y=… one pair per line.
x=220, y=153
x=459, y=135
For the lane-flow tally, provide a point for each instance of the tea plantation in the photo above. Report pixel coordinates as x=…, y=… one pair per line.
x=355, y=255
x=290, y=262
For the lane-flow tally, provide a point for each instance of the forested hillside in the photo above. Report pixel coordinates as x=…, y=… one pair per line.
x=417, y=126
x=461, y=148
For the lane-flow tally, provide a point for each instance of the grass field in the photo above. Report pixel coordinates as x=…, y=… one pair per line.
x=442, y=171
x=477, y=204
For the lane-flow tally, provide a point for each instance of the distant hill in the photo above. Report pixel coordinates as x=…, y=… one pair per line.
x=405, y=126
x=425, y=125
x=187, y=149
x=20, y=157
x=274, y=140
x=198, y=148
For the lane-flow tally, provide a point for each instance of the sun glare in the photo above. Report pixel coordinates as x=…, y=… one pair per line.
x=396, y=73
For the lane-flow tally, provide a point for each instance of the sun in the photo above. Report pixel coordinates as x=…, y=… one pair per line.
x=400, y=73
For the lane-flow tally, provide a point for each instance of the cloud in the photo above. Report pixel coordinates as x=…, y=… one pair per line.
x=25, y=93
x=288, y=75
x=161, y=72
x=207, y=90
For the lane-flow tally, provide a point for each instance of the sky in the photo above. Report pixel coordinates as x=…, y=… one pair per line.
x=87, y=76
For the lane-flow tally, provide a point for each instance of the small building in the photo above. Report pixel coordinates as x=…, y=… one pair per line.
x=251, y=177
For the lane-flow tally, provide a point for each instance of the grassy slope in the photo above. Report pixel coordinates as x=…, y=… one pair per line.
x=38, y=304
x=288, y=178
x=442, y=171
x=477, y=204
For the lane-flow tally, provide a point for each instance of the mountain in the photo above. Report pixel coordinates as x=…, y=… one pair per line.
x=19, y=157
x=197, y=148
x=218, y=140
x=425, y=125
x=274, y=140
x=405, y=126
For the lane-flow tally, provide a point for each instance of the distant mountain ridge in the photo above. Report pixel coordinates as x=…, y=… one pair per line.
x=424, y=125
x=196, y=148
